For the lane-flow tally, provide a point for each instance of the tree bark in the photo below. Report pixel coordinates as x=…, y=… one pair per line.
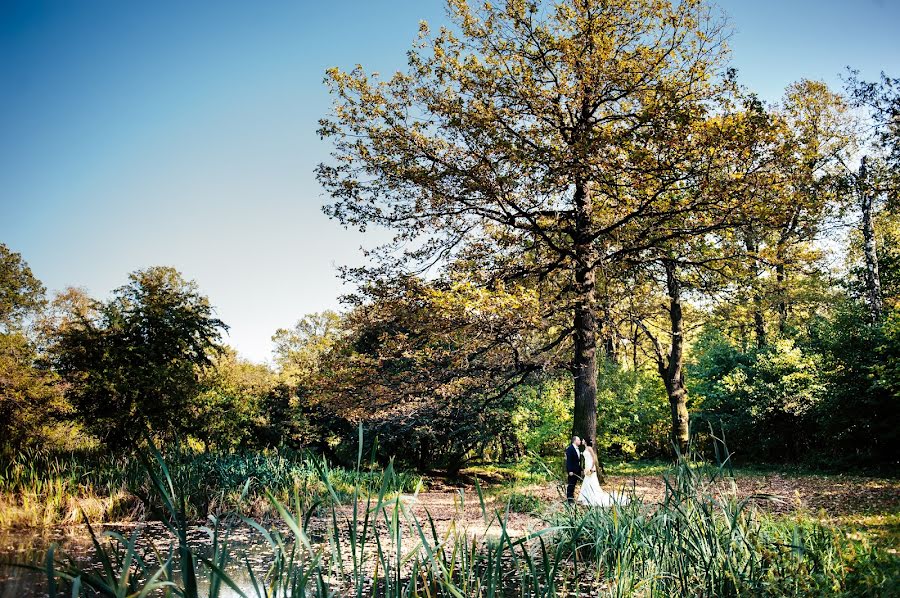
x=781, y=284
x=609, y=336
x=788, y=233
x=873, y=280
x=759, y=322
x=634, y=348
x=674, y=374
x=584, y=366
x=671, y=366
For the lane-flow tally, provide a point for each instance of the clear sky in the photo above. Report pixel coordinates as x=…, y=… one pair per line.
x=182, y=133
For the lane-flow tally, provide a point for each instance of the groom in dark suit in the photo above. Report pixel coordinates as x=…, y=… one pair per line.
x=573, y=467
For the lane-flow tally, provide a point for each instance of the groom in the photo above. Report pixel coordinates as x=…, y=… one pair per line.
x=573, y=467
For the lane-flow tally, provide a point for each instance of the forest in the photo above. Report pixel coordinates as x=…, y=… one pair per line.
x=597, y=229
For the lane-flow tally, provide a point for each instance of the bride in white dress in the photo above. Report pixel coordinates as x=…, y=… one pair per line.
x=591, y=494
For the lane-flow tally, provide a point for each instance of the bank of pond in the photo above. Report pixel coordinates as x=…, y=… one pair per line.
x=281, y=525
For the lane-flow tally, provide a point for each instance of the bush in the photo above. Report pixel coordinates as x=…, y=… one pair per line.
x=435, y=436
x=856, y=421
x=633, y=419
x=543, y=416
x=765, y=400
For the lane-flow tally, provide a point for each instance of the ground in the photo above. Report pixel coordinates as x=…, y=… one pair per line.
x=859, y=503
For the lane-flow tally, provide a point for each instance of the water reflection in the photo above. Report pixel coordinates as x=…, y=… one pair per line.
x=28, y=547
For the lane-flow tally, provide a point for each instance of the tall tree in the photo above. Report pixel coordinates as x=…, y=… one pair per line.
x=553, y=130
x=21, y=294
x=878, y=176
x=882, y=100
x=798, y=193
x=815, y=131
x=866, y=194
x=134, y=363
x=30, y=394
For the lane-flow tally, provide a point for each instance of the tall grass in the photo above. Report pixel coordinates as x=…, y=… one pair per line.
x=42, y=490
x=700, y=541
x=703, y=540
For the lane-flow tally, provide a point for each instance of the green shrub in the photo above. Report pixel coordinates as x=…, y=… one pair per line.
x=543, y=416
x=633, y=417
x=764, y=400
x=856, y=422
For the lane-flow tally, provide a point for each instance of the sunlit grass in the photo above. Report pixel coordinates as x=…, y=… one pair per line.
x=881, y=529
x=636, y=468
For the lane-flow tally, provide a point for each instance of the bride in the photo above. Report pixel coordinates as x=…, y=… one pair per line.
x=591, y=493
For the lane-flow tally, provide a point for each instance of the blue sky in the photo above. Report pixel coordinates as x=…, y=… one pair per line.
x=148, y=133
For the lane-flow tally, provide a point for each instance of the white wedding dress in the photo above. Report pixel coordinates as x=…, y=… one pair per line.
x=591, y=494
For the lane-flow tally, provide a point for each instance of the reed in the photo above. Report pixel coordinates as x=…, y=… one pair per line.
x=700, y=541
x=39, y=490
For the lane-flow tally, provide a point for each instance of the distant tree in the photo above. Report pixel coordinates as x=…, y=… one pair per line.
x=231, y=409
x=21, y=294
x=877, y=179
x=133, y=364
x=882, y=99
x=816, y=131
x=30, y=394
x=428, y=366
x=299, y=350
x=775, y=278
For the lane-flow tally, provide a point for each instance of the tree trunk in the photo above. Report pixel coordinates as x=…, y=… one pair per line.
x=671, y=366
x=788, y=232
x=584, y=366
x=609, y=337
x=759, y=323
x=634, y=348
x=606, y=325
x=782, y=307
x=873, y=280
x=674, y=372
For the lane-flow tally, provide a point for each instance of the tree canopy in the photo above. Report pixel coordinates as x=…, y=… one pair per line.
x=134, y=362
x=545, y=143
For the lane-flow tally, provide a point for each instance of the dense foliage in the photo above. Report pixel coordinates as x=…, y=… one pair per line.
x=132, y=363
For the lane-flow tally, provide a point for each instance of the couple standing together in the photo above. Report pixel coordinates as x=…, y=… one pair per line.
x=591, y=494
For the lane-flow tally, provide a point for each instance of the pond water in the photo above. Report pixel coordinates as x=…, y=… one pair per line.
x=28, y=547
x=245, y=546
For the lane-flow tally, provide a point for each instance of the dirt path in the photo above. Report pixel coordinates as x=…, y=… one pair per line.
x=835, y=496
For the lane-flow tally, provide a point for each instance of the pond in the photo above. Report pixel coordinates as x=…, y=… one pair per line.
x=443, y=518
x=28, y=547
